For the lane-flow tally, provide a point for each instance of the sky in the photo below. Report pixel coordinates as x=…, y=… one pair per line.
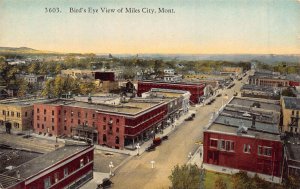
x=196, y=27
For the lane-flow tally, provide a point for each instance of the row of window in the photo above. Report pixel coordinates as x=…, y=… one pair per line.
x=47, y=181
x=228, y=145
x=65, y=113
x=12, y=114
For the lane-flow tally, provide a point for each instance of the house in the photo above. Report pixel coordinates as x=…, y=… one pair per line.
x=291, y=114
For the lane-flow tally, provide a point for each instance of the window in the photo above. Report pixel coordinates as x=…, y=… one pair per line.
x=38, y=125
x=78, y=114
x=104, y=138
x=72, y=113
x=65, y=112
x=52, y=120
x=264, y=151
x=117, y=121
x=42, y=126
x=65, y=127
x=293, y=112
x=226, y=145
x=117, y=130
x=247, y=148
x=13, y=114
x=78, y=121
x=56, y=177
x=213, y=143
x=104, y=119
x=53, y=112
x=86, y=115
x=25, y=114
x=58, y=112
x=52, y=128
x=66, y=172
x=47, y=182
x=104, y=127
x=44, y=118
x=38, y=110
x=71, y=120
x=93, y=115
x=18, y=114
x=38, y=117
x=81, y=163
x=3, y=112
x=45, y=111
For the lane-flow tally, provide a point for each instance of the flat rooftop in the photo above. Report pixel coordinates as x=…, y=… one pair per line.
x=233, y=130
x=40, y=163
x=172, y=83
x=133, y=107
x=23, y=102
x=237, y=118
x=13, y=157
x=293, y=150
x=291, y=102
x=266, y=104
x=7, y=181
x=258, y=88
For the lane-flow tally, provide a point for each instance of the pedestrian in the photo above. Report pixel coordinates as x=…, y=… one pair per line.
x=200, y=153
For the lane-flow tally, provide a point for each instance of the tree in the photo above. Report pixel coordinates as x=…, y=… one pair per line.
x=288, y=92
x=241, y=180
x=185, y=176
x=220, y=183
x=23, y=87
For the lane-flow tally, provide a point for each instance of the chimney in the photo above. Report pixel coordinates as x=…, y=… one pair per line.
x=253, y=121
x=89, y=99
x=18, y=174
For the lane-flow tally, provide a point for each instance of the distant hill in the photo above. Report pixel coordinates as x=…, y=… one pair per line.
x=265, y=58
x=22, y=50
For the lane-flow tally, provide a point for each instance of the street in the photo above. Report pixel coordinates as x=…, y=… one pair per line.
x=137, y=173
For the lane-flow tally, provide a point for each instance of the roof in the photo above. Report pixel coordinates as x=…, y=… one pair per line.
x=239, y=115
x=23, y=102
x=233, y=130
x=264, y=103
x=133, y=107
x=258, y=88
x=172, y=83
x=291, y=102
x=45, y=161
x=293, y=148
x=7, y=181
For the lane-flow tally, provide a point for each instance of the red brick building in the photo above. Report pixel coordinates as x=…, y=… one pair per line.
x=112, y=125
x=68, y=167
x=244, y=138
x=196, y=89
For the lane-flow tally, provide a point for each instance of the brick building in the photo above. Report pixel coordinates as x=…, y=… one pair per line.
x=68, y=167
x=17, y=115
x=113, y=125
x=291, y=114
x=271, y=79
x=245, y=136
x=196, y=89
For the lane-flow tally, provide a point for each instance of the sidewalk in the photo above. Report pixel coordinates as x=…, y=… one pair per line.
x=197, y=157
x=97, y=179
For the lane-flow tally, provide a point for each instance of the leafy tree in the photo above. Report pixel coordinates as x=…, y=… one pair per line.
x=241, y=180
x=292, y=183
x=185, y=176
x=220, y=183
x=23, y=87
x=87, y=87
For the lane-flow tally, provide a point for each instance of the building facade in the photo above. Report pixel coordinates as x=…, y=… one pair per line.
x=196, y=89
x=112, y=125
x=68, y=167
x=245, y=136
x=291, y=114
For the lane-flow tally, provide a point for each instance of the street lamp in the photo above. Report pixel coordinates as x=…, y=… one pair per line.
x=110, y=168
x=190, y=157
x=138, y=148
x=152, y=164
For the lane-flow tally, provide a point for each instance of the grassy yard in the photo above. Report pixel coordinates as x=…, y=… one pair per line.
x=211, y=177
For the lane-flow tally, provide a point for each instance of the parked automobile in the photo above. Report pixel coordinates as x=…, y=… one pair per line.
x=165, y=137
x=219, y=95
x=150, y=148
x=106, y=183
x=193, y=115
x=189, y=119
